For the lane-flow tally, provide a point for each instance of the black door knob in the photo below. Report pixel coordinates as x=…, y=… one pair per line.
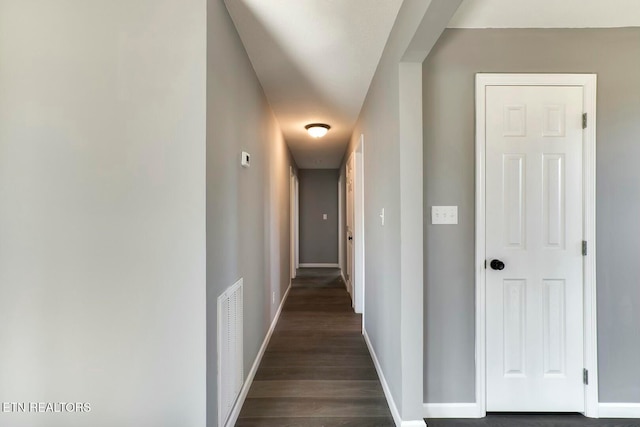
x=496, y=264
x=350, y=238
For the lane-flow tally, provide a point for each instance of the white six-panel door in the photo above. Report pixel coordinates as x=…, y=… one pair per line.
x=534, y=226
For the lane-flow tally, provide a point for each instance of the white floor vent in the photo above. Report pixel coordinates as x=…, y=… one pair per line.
x=230, y=335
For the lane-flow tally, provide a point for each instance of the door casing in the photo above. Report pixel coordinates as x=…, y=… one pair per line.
x=588, y=84
x=293, y=215
x=355, y=226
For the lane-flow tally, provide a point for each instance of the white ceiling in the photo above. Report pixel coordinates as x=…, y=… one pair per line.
x=315, y=60
x=547, y=14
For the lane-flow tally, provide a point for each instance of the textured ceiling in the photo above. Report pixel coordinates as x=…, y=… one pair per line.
x=315, y=60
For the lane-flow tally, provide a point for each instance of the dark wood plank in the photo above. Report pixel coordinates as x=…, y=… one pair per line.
x=284, y=343
x=316, y=422
x=336, y=373
x=314, y=407
x=323, y=308
x=301, y=321
x=312, y=359
x=317, y=370
x=318, y=291
x=348, y=337
x=319, y=388
x=321, y=350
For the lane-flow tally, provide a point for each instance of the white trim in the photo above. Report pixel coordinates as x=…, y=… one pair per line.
x=235, y=412
x=589, y=212
x=452, y=410
x=588, y=82
x=318, y=265
x=619, y=410
x=297, y=219
x=387, y=392
x=340, y=224
x=346, y=285
x=358, y=225
x=292, y=223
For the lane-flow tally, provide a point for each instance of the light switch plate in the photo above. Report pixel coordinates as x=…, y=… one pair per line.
x=324, y=217
x=444, y=214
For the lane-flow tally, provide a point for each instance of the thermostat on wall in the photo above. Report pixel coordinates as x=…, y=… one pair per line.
x=245, y=159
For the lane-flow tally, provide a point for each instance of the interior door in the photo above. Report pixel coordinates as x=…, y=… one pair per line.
x=350, y=226
x=534, y=276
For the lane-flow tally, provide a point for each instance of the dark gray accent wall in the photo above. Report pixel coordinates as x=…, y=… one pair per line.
x=449, y=179
x=318, y=196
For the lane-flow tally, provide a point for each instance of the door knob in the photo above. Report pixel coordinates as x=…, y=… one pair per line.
x=350, y=237
x=496, y=264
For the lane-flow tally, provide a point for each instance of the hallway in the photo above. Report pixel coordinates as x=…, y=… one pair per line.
x=316, y=370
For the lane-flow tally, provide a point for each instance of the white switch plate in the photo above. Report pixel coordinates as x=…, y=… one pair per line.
x=444, y=214
x=324, y=216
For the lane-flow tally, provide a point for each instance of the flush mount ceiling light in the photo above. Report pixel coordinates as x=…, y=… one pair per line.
x=317, y=130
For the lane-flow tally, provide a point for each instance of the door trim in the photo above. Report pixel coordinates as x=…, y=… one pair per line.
x=358, y=225
x=588, y=83
x=293, y=223
x=340, y=228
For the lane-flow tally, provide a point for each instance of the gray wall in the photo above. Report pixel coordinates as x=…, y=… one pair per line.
x=318, y=195
x=247, y=209
x=102, y=210
x=614, y=54
x=379, y=123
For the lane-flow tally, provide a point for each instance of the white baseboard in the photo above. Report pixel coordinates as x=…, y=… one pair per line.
x=235, y=412
x=318, y=265
x=387, y=392
x=346, y=284
x=452, y=410
x=619, y=410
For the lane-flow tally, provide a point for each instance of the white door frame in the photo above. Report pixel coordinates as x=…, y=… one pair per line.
x=340, y=229
x=293, y=207
x=358, y=215
x=349, y=225
x=588, y=83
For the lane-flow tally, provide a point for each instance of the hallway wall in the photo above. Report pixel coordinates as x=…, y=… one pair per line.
x=102, y=211
x=379, y=122
x=247, y=208
x=449, y=179
x=318, y=196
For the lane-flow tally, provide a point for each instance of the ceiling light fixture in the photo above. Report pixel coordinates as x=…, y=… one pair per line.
x=317, y=130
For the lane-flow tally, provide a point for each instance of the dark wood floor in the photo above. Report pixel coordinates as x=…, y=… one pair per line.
x=533, y=420
x=316, y=370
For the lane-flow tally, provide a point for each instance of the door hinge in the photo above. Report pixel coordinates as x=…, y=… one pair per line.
x=584, y=248
x=584, y=120
x=585, y=376
x=485, y=264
